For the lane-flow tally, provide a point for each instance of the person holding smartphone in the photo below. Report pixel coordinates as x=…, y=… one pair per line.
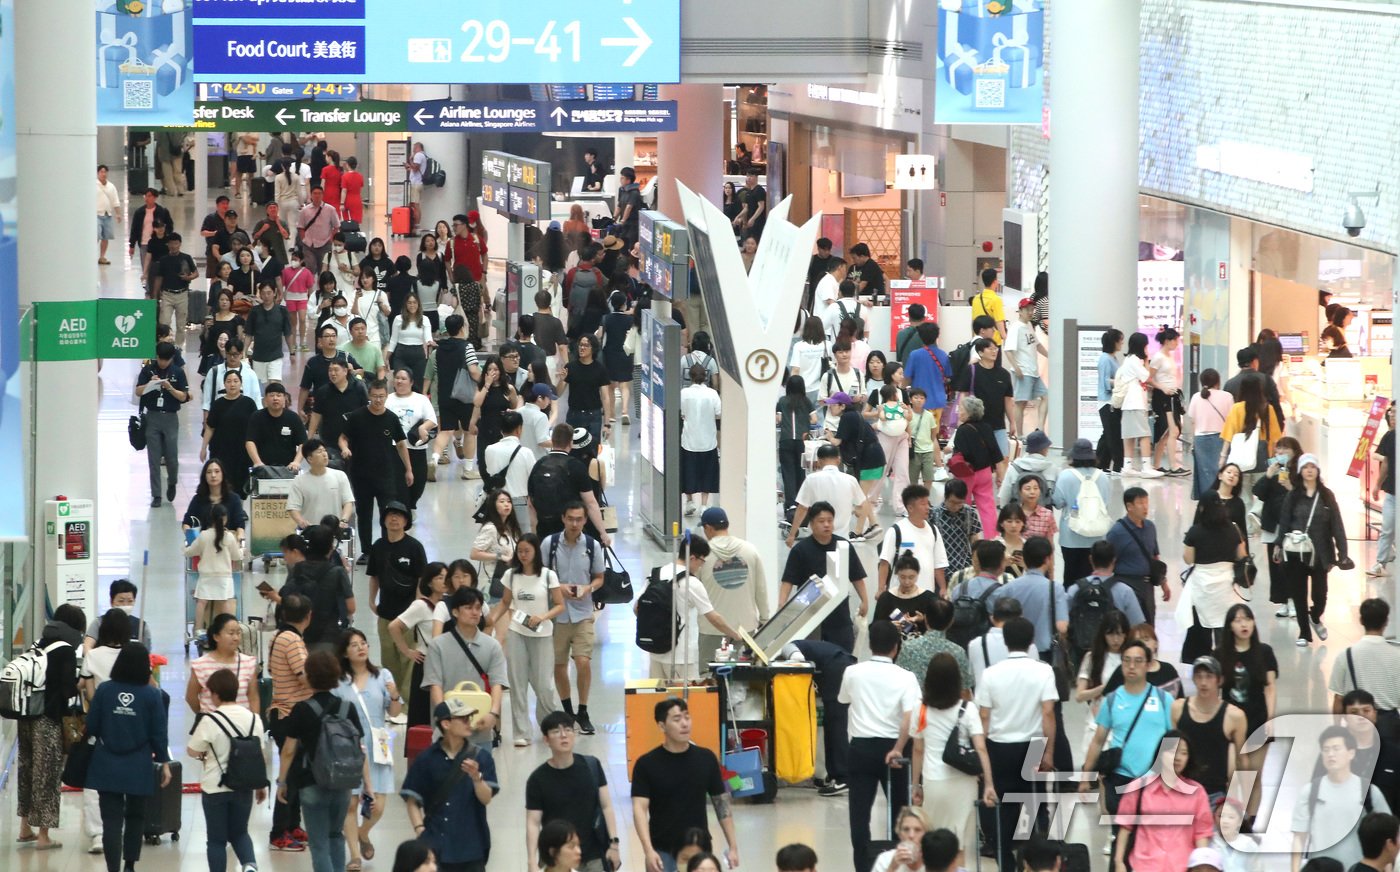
x=161, y=389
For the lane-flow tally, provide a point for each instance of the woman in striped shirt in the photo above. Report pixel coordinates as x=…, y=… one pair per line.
x=225, y=635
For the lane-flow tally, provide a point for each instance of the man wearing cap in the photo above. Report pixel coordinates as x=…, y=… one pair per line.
x=447, y=789
x=1214, y=729
x=1206, y=860
x=160, y=391
x=464, y=653
x=1036, y=461
x=733, y=578
x=275, y=436
x=374, y=442
x=828, y=484
x=700, y=409
x=396, y=563
x=534, y=414
x=578, y=560
x=1024, y=362
x=513, y=458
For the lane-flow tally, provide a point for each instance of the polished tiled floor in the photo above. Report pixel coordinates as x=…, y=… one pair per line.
x=127, y=527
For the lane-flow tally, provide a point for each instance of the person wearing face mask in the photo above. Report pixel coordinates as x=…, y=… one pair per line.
x=1272, y=487
x=297, y=283
x=369, y=301
x=340, y=319
x=121, y=594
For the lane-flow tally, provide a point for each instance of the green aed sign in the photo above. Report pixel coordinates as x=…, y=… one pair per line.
x=87, y=329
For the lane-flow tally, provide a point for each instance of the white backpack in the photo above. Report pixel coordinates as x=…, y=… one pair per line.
x=22, y=683
x=1089, y=516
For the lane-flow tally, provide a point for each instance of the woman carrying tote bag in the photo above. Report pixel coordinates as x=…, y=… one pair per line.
x=1252, y=427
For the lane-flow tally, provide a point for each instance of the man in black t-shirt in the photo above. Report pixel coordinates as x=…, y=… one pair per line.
x=1385, y=484
x=809, y=557
x=315, y=375
x=213, y=231
x=548, y=498
x=629, y=205
x=571, y=787
x=396, y=562
x=992, y=385
x=334, y=402
x=275, y=435
x=669, y=786
x=171, y=282
x=754, y=215
x=868, y=275
x=374, y=444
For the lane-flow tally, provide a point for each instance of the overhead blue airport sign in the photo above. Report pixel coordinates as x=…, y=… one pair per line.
x=436, y=41
x=280, y=92
x=642, y=117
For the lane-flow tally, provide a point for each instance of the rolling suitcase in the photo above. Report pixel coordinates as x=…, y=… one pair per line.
x=259, y=191
x=199, y=305
x=401, y=219
x=163, y=806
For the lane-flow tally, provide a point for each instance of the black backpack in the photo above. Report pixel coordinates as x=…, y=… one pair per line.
x=971, y=617
x=961, y=359
x=654, y=615
x=246, y=769
x=497, y=480
x=1091, y=602
x=549, y=486
x=433, y=174
x=846, y=316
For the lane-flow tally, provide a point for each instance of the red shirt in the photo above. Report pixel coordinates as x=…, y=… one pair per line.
x=467, y=252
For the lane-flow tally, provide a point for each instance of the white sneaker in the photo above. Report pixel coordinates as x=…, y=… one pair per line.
x=940, y=474
x=96, y=846
x=522, y=742
x=1302, y=643
x=1377, y=568
x=689, y=509
x=1129, y=471
x=1149, y=472
x=1284, y=611
x=399, y=719
x=1319, y=630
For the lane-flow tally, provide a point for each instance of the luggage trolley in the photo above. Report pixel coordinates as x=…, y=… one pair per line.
x=191, y=605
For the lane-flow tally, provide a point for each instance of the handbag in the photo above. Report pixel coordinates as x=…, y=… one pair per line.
x=136, y=432
x=629, y=342
x=1298, y=542
x=75, y=768
x=600, y=822
x=1110, y=758
x=958, y=751
x=497, y=587
x=74, y=728
x=1245, y=570
x=463, y=387
x=1059, y=657
x=959, y=467
x=381, y=740
x=1156, y=569
x=617, y=584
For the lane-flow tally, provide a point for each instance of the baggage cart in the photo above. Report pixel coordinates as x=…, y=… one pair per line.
x=191, y=604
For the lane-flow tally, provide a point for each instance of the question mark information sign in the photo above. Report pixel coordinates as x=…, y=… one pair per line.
x=420, y=42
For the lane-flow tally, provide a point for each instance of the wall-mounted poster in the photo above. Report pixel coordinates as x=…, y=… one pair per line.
x=990, y=60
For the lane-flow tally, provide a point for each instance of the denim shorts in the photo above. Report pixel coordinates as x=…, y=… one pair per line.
x=1029, y=387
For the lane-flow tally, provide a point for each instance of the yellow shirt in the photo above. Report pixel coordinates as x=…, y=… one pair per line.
x=1234, y=423
x=989, y=303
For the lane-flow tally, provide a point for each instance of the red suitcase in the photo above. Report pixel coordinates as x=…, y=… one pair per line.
x=401, y=221
x=418, y=740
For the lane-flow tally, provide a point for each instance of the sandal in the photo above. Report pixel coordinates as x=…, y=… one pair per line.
x=366, y=849
x=352, y=866
x=32, y=837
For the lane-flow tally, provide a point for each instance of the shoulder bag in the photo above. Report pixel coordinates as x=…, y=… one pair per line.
x=1059, y=658
x=600, y=822
x=1111, y=758
x=1299, y=542
x=1245, y=570
x=958, y=750
x=381, y=743
x=476, y=664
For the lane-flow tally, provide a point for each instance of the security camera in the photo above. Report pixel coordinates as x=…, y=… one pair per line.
x=1353, y=219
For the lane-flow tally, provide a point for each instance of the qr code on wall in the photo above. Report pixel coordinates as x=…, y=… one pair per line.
x=989, y=94
x=139, y=94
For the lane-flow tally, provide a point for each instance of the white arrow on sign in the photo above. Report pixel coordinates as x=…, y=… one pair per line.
x=639, y=40
x=559, y=115
x=281, y=120
x=418, y=116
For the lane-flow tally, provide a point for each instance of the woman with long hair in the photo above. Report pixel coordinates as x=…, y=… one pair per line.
x=432, y=269
x=809, y=355
x=369, y=302
x=1166, y=403
x=1272, y=487
x=796, y=416
x=977, y=444
x=225, y=636
x=410, y=340
x=1211, y=548
x=730, y=201
x=1207, y=411
x=496, y=537
x=1319, y=542
x=414, y=856
x=371, y=690
x=1132, y=381
x=1252, y=414
x=1097, y=667
x=213, y=490
x=495, y=395
x=220, y=556
x=532, y=598
x=1228, y=486
x=1383, y=492
x=946, y=794
x=421, y=622
x=40, y=739
x=225, y=433
x=1011, y=532
x=128, y=713
x=552, y=253
x=222, y=322
x=1109, y=452
x=244, y=279
x=616, y=359
x=330, y=181
x=1178, y=807
x=1250, y=680
x=584, y=380
x=576, y=228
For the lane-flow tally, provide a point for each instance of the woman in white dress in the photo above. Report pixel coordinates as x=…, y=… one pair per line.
x=530, y=601
x=1131, y=383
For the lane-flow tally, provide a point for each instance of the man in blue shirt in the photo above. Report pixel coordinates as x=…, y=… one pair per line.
x=447, y=789
x=577, y=558
x=1110, y=447
x=1103, y=556
x=1134, y=540
x=928, y=367
x=1137, y=715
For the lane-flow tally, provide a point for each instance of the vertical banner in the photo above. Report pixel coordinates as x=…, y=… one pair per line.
x=144, y=74
x=1089, y=346
x=990, y=54
x=1362, y=455
x=12, y=508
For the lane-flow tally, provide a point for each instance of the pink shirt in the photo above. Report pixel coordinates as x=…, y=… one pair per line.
x=1165, y=847
x=1208, y=415
x=298, y=283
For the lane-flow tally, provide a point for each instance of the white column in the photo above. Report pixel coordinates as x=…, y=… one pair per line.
x=1093, y=171
x=451, y=150
x=201, y=182
x=56, y=124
